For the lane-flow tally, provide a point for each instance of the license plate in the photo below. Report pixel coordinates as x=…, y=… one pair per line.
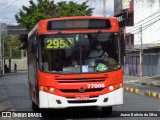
x=82, y=97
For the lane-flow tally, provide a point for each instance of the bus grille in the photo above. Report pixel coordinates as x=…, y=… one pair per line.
x=80, y=80
x=77, y=90
x=93, y=97
x=82, y=101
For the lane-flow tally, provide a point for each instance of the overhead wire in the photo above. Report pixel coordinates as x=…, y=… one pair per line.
x=147, y=26
x=149, y=16
x=142, y=26
x=139, y=11
x=8, y=6
x=2, y=11
x=142, y=7
x=148, y=20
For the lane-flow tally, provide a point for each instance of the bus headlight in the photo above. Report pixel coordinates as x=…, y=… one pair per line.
x=44, y=88
x=52, y=89
x=116, y=86
x=120, y=85
x=41, y=88
x=111, y=88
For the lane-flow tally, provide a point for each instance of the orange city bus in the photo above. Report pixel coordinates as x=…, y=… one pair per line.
x=61, y=71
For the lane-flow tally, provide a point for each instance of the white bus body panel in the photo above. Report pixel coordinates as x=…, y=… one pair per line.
x=47, y=100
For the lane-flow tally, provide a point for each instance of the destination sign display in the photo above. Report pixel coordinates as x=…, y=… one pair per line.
x=79, y=24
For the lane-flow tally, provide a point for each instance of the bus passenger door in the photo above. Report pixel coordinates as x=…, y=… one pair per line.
x=33, y=68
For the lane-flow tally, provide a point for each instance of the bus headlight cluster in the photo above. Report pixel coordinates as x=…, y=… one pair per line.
x=46, y=89
x=116, y=86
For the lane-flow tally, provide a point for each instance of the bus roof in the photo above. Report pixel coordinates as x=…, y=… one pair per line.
x=41, y=26
x=81, y=17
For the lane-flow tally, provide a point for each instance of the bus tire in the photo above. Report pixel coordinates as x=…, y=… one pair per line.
x=35, y=107
x=107, y=111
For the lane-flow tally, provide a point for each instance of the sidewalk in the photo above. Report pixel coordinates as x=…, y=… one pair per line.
x=144, y=80
x=12, y=73
x=145, y=86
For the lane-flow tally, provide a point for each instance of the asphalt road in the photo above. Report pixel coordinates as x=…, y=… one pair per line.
x=15, y=89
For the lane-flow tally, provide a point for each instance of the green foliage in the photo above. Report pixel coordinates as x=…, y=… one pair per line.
x=29, y=16
x=73, y=9
x=11, y=45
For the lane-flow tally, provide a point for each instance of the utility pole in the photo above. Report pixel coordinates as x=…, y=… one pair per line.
x=104, y=8
x=10, y=59
x=2, y=49
x=141, y=52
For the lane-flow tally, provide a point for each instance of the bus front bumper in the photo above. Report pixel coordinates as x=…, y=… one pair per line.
x=47, y=100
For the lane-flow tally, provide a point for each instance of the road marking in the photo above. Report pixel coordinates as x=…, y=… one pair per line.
x=153, y=94
x=136, y=90
x=131, y=90
x=127, y=89
x=147, y=93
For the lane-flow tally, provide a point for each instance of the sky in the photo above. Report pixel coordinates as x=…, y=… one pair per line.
x=8, y=8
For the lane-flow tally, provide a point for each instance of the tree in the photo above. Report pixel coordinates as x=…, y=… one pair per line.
x=29, y=16
x=11, y=48
x=11, y=44
x=73, y=9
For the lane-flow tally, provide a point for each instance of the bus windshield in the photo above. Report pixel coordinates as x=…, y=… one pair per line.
x=79, y=53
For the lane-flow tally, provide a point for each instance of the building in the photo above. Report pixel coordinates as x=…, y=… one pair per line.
x=146, y=22
x=12, y=30
x=141, y=35
x=16, y=30
x=124, y=13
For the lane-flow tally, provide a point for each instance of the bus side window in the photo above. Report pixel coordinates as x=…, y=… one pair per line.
x=122, y=44
x=45, y=66
x=29, y=46
x=34, y=45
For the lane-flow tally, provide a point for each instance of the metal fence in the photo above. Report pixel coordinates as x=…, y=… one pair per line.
x=150, y=63
x=132, y=64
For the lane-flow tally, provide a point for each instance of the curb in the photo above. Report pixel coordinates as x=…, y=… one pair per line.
x=132, y=90
x=146, y=93
x=1, y=76
x=7, y=74
x=152, y=94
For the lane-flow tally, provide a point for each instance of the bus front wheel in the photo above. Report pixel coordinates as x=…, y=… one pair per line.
x=35, y=107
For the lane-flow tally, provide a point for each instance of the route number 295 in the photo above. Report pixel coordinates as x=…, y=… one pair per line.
x=101, y=85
